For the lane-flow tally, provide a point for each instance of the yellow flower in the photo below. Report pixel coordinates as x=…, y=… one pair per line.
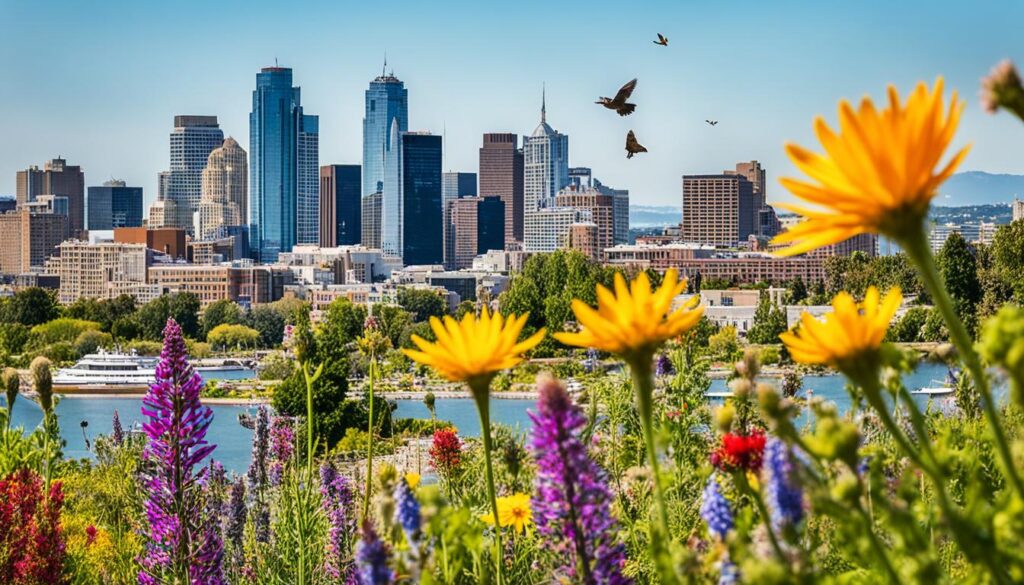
x=850, y=332
x=634, y=318
x=413, y=479
x=878, y=174
x=473, y=348
x=513, y=511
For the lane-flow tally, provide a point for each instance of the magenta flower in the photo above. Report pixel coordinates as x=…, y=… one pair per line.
x=572, y=505
x=183, y=542
x=282, y=443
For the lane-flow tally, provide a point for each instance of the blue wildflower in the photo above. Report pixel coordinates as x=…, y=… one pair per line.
x=784, y=496
x=372, y=558
x=715, y=510
x=407, y=512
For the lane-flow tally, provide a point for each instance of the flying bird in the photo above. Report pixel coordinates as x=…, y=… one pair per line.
x=662, y=40
x=632, y=146
x=712, y=122
x=618, y=103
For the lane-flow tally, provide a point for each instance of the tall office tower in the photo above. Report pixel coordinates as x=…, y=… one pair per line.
x=307, y=197
x=370, y=235
x=56, y=178
x=411, y=214
x=755, y=174
x=719, y=210
x=601, y=208
x=474, y=225
x=340, y=205
x=114, y=205
x=225, y=191
x=545, y=173
x=582, y=179
x=280, y=138
x=455, y=185
x=181, y=187
x=387, y=100
x=501, y=175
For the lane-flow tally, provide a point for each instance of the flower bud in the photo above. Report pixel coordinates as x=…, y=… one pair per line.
x=741, y=388
x=724, y=417
x=42, y=380
x=1002, y=88
x=769, y=400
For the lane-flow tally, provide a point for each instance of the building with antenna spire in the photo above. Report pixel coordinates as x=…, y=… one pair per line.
x=545, y=173
x=386, y=100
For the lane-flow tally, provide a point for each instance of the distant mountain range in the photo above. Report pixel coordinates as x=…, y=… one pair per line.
x=967, y=189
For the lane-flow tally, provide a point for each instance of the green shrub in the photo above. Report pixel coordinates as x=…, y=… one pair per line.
x=91, y=340
x=60, y=330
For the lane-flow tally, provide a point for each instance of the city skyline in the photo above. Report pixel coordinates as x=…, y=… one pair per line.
x=58, y=102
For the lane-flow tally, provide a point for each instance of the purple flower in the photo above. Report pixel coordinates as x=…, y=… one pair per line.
x=183, y=543
x=117, y=434
x=572, y=502
x=729, y=573
x=663, y=366
x=337, y=503
x=260, y=447
x=784, y=496
x=282, y=441
x=407, y=512
x=372, y=558
x=715, y=510
x=235, y=525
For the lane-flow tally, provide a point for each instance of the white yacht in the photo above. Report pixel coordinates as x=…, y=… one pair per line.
x=103, y=369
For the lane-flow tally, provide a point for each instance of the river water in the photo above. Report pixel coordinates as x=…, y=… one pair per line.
x=234, y=441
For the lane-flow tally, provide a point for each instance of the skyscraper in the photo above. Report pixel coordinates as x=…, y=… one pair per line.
x=411, y=214
x=114, y=205
x=340, y=205
x=56, y=178
x=501, y=175
x=545, y=173
x=225, y=190
x=181, y=187
x=719, y=210
x=371, y=219
x=473, y=225
x=386, y=100
x=284, y=167
x=455, y=185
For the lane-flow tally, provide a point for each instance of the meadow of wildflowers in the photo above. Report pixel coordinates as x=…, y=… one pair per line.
x=635, y=479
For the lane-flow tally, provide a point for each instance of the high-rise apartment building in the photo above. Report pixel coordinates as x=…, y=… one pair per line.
x=473, y=225
x=501, y=175
x=114, y=205
x=341, y=208
x=387, y=100
x=284, y=170
x=545, y=173
x=599, y=206
x=181, y=187
x=28, y=239
x=411, y=214
x=585, y=237
x=552, y=227
x=582, y=179
x=371, y=219
x=719, y=210
x=225, y=190
x=56, y=178
x=98, y=271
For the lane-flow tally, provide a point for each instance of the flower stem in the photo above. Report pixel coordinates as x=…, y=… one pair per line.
x=369, y=444
x=763, y=511
x=483, y=407
x=643, y=383
x=920, y=253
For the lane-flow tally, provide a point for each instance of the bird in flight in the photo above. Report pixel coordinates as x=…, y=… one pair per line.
x=618, y=103
x=662, y=40
x=712, y=122
x=632, y=146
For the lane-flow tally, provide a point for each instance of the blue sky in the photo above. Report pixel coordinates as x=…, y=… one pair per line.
x=100, y=82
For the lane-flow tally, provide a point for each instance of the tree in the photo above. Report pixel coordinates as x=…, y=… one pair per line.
x=90, y=340
x=934, y=329
x=464, y=308
x=422, y=304
x=270, y=324
x=724, y=345
x=909, y=328
x=229, y=336
x=30, y=306
x=393, y=321
x=342, y=323
x=797, y=291
x=183, y=307
x=218, y=313
x=959, y=270
x=59, y=330
x=1008, y=256
x=421, y=329
x=769, y=322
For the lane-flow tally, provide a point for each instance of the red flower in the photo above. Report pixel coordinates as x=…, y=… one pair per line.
x=90, y=534
x=446, y=452
x=739, y=452
x=31, y=541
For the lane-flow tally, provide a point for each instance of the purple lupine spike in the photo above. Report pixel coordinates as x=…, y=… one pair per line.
x=372, y=558
x=117, y=432
x=282, y=444
x=260, y=447
x=407, y=512
x=782, y=492
x=235, y=525
x=572, y=501
x=183, y=543
x=663, y=366
x=715, y=510
x=341, y=518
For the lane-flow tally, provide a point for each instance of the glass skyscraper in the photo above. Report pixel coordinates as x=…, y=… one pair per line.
x=283, y=166
x=411, y=213
x=192, y=140
x=114, y=205
x=340, y=205
x=386, y=100
x=546, y=172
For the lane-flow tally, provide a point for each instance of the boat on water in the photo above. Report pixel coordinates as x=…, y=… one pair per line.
x=110, y=372
x=940, y=387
